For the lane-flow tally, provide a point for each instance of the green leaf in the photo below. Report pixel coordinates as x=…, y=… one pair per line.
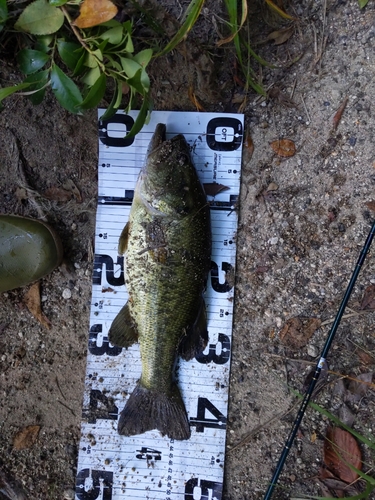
x=191, y=15
x=112, y=63
x=141, y=118
x=136, y=82
x=43, y=43
x=91, y=76
x=130, y=66
x=370, y=441
x=362, y=3
x=65, y=90
x=70, y=53
x=96, y=93
x=145, y=80
x=57, y=3
x=6, y=91
x=115, y=102
x=31, y=61
x=118, y=96
x=113, y=35
x=40, y=18
x=3, y=13
x=91, y=61
x=140, y=82
x=129, y=45
x=102, y=45
x=98, y=53
x=38, y=83
x=112, y=23
x=80, y=68
x=143, y=57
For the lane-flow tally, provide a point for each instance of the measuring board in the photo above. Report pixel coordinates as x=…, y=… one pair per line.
x=149, y=466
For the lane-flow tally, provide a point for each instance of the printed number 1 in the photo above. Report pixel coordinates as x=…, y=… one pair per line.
x=105, y=348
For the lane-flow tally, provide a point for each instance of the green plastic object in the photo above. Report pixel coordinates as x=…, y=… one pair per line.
x=29, y=249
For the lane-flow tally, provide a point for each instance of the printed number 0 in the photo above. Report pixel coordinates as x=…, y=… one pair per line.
x=116, y=142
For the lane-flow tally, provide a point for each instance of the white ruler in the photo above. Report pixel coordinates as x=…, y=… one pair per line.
x=149, y=466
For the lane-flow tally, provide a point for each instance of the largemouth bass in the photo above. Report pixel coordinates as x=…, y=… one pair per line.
x=167, y=246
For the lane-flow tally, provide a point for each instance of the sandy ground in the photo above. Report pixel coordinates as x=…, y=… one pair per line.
x=303, y=221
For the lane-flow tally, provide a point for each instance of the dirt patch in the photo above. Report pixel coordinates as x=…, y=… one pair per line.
x=303, y=221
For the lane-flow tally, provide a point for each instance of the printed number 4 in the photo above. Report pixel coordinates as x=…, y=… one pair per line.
x=201, y=422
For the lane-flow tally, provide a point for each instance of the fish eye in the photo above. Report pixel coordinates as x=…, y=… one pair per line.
x=182, y=158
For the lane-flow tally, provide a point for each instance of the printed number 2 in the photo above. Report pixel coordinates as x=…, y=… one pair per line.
x=99, y=261
x=200, y=421
x=199, y=489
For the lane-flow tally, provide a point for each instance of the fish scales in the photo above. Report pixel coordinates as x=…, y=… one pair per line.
x=165, y=286
x=167, y=244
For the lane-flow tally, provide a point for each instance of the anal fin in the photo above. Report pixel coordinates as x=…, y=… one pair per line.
x=123, y=331
x=196, y=338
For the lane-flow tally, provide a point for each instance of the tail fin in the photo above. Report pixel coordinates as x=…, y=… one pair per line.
x=149, y=409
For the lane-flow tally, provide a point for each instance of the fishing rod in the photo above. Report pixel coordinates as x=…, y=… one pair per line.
x=319, y=365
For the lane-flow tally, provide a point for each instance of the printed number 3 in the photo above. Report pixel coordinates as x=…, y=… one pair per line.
x=218, y=353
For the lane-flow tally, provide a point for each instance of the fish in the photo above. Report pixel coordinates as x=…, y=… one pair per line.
x=167, y=247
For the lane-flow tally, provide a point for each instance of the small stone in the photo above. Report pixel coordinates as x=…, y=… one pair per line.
x=68, y=494
x=67, y=293
x=272, y=187
x=273, y=241
x=312, y=351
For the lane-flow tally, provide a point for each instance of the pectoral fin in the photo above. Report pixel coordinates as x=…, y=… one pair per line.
x=196, y=338
x=123, y=331
x=123, y=240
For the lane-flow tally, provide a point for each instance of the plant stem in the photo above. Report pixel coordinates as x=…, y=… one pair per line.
x=74, y=29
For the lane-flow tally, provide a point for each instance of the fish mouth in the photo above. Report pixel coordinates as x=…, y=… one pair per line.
x=159, y=136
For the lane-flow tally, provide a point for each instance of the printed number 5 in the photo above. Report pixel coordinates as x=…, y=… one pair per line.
x=216, y=285
x=199, y=489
